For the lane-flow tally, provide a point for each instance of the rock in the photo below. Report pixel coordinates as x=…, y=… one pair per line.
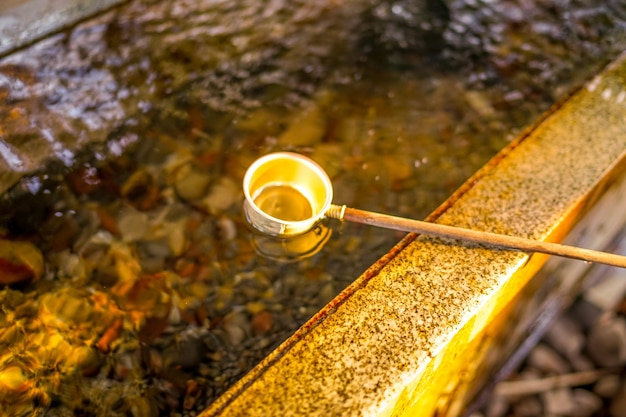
x=84, y=359
x=480, y=102
x=148, y=301
x=191, y=183
x=110, y=335
x=566, y=337
x=618, y=405
x=235, y=334
x=151, y=328
x=192, y=393
x=66, y=309
x=156, y=248
x=255, y=307
x=606, y=343
x=262, y=322
x=108, y=221
x=125, y=363
x=306, y=129
x=497, y=407
x=143, y=407
x=84, y=180
x=585, y=313
x=400, y=26
x=559, y=401
x=528, y=407
x=141, y=190
x=132, y=224
x=19, y=262
x=586, y=403
x=610, y=291
x=65, y=234
x=607, y=386
x=13, y=380
x=227, y=228
x=547, y=360
x=581, y=363
x=237, y=326
x=26, y=213
x=176, y=238
x=222, y=196
x=190, y=352
x=327, y=293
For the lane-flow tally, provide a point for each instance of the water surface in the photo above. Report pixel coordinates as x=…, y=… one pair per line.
x=154, y=111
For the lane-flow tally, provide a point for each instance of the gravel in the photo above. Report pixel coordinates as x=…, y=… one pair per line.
x=138, y=260
x=551, y=381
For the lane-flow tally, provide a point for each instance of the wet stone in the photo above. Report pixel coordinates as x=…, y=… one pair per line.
x=262, y=322
x=235, y=334
x=66, y=309
x=150, y=251
x=133, y=225
x=85, y=180
x=19, y=262
x=327, y=292
x=222, y=196
x=191, y=183
x=191, y=352
x=13, y=380
x=141, y=190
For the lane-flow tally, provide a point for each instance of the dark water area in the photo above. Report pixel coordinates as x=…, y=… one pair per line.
x=137, y=289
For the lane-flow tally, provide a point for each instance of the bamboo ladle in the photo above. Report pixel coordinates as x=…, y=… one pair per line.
x=287, y=194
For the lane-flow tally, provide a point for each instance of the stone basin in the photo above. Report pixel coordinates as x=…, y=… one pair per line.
x=24, y=22
x=421, y=331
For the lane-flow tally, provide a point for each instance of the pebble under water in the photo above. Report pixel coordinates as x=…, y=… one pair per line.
x=129, y=284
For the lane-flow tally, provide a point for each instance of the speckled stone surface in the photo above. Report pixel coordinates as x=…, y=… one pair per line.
x=24, y=21
x=373, y=349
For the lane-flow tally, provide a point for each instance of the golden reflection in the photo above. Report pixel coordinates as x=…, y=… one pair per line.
x=291, y=249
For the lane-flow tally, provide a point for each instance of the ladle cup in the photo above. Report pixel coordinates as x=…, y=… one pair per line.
x=287, y=194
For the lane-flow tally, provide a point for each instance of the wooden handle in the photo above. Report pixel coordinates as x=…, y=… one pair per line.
x=494, y=239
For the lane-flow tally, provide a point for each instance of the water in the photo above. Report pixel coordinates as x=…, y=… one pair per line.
x=284, y=203
x=159, y=107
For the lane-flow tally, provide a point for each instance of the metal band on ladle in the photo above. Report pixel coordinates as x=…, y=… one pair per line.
x=288, y=194
x=336, y=212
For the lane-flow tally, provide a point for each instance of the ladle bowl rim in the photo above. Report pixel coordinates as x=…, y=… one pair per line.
x=273, y=226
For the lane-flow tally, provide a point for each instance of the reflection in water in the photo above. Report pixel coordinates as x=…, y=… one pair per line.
x=294, y=248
